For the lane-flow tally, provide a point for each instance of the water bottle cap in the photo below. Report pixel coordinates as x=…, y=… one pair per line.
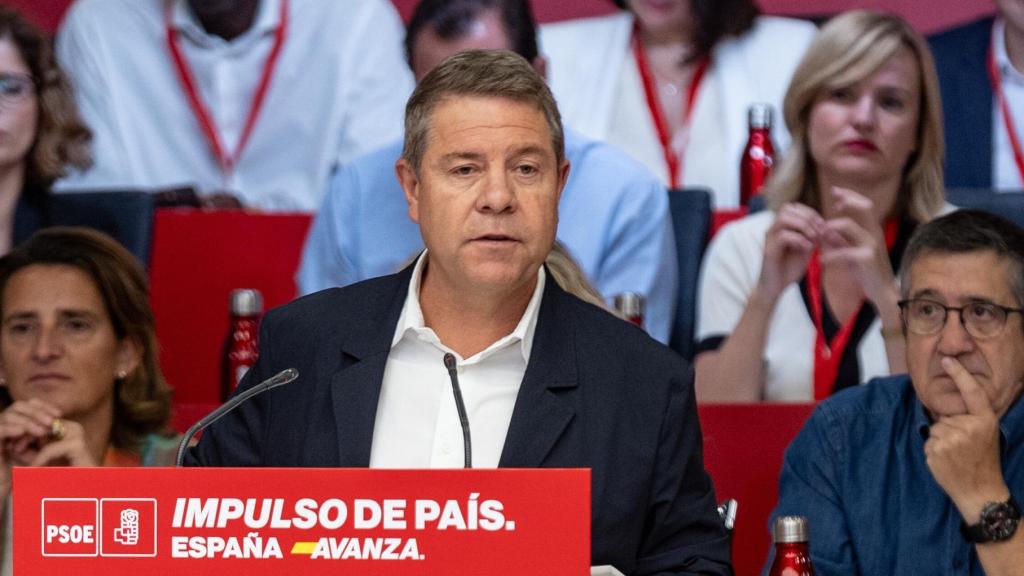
x=760, y=115
x=246, y=302
x=790, y=529
x=630, y=304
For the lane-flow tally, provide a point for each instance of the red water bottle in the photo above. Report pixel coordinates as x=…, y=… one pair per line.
x=631, y=306
x=241, y=347
x=759, y=154
x=792, y=551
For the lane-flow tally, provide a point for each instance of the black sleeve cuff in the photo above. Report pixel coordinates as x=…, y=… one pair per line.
x=708, y=344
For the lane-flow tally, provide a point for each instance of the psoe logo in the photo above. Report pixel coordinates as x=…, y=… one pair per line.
x=127, y=527
x=69, y=527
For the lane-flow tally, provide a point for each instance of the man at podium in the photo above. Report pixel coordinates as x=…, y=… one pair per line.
x=473, y=355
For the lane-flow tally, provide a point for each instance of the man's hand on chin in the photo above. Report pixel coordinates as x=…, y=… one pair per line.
x=962, y=451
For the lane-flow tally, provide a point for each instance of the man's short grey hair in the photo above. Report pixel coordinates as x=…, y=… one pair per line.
x=966, y=231
x=488, y=73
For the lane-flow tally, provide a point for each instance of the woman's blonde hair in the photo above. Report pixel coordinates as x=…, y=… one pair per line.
x=570, y=277
x=849, y=48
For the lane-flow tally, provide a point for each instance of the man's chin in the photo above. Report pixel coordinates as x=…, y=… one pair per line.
x=945, y=405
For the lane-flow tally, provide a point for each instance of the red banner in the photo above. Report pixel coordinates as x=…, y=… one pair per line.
x=300, y=521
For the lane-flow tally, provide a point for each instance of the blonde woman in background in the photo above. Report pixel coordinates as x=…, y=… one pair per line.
x=800, y=301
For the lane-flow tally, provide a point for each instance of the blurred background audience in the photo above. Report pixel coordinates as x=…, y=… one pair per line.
x=253, y=102
x=41, y=134
x=670, y=82
x=800, y=301
x=981, y=70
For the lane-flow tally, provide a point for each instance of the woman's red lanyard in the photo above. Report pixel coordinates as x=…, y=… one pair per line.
x=1011, y=129
x=673, y=159
x=227, y=160
x=828, y=355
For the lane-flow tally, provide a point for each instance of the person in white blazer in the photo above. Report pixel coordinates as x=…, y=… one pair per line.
x=595, y=76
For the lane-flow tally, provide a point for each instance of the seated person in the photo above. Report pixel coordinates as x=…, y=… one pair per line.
x=43, y=135
x=548, y=380
x=981, y=71
x=670, y=83
x=922, y=474
x=614, y=215
x=800, y=300
x=249, y=102
x=81, y=384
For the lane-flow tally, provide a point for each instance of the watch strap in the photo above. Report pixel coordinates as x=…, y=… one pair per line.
x=1006, y=514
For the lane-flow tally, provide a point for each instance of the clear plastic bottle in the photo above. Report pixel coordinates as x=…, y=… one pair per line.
x=241, y=347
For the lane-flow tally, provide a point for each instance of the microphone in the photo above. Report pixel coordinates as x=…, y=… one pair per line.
x=467, y=445
x=280, y=379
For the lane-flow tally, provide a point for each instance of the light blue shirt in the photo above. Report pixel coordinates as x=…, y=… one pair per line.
x=613, y=218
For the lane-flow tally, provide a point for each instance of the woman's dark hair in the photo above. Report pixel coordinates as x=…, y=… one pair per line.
x=451, y=20
x=715, y=20
x=142, y=400
x=62, y=138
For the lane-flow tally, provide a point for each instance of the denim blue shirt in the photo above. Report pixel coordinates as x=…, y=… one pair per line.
x=857, y=471
x=613, y=218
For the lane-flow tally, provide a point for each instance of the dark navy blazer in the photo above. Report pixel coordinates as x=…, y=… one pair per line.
x=597, y=393
x=961, y=61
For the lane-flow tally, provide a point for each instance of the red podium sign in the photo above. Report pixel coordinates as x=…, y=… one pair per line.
x=300, y=521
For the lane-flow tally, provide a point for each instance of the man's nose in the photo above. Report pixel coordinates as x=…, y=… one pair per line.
x=954, y=338
x=498, y=193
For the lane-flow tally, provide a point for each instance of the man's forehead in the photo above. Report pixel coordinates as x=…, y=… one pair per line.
x=469, y=116
x=962, y=275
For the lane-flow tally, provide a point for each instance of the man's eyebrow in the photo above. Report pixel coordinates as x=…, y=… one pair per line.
x=530, y=149
x=20, y=316
x=456, y=156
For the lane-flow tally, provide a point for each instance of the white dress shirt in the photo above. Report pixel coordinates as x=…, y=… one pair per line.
x=591, y=68
x=1005, y=173
x=338, y=90
x=417, y=423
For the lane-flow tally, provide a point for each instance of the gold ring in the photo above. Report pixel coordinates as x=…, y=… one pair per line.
x=57, y=429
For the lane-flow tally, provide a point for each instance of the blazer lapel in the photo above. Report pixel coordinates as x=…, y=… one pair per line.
x=355, y=388
x=544, y=407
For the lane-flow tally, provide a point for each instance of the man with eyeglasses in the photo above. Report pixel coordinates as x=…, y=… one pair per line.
x=922, y=473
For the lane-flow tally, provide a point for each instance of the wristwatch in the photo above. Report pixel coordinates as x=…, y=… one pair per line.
x=998, y=522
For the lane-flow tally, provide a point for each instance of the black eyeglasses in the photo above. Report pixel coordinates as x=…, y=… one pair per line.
x=980, y=319
x=16, y=88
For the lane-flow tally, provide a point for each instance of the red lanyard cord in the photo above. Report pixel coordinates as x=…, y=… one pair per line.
x=1004, y=108
x=672, y=160
x=226, y=160
x=828, y=355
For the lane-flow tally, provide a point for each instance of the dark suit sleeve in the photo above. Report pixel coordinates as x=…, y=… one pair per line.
x=236, y=439
x=684, y=534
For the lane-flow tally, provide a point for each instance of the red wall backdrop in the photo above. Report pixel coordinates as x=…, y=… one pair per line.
x=926, y=15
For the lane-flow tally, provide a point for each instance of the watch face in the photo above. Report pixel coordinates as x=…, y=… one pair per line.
x=999, y=520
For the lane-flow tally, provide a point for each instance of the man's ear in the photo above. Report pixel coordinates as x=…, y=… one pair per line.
x=563, y=177
x=410, y=183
